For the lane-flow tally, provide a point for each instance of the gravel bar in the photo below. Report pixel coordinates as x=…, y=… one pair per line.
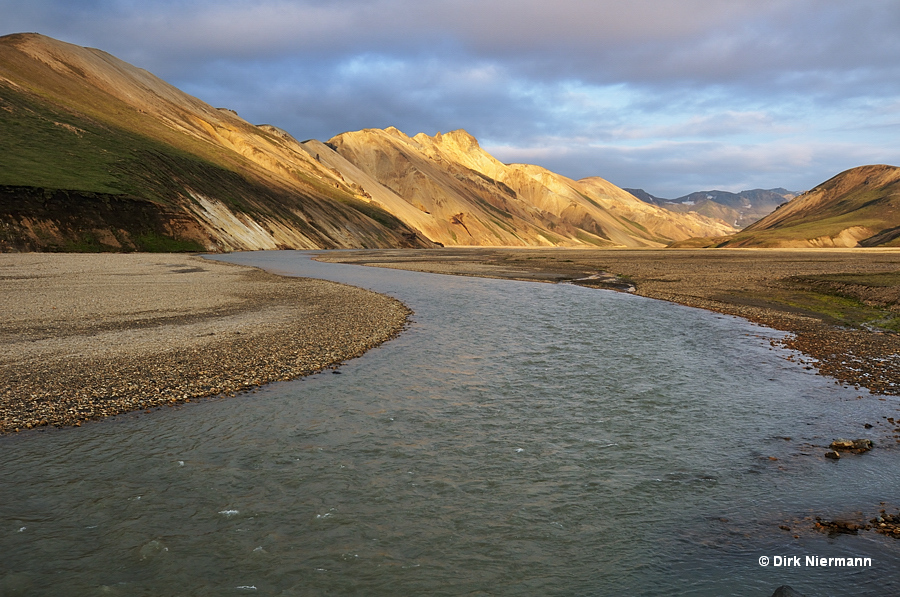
x=85, y=337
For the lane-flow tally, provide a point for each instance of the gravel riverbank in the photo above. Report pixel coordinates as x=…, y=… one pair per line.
x=89, y=336
x=841, y=306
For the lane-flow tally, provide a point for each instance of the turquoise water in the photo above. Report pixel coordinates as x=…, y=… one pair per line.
x=518, y=439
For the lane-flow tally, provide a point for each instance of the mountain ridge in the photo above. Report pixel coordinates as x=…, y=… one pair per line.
x=741, y=209
x=452, y=179
x=97, y=154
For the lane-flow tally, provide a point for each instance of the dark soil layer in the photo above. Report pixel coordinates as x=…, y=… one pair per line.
x=33, y=219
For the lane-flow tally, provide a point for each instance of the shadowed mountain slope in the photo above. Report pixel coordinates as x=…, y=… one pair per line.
x=858, y=207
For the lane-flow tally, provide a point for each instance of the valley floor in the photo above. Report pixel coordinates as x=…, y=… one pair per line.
x=841, y=306
x=85, y=336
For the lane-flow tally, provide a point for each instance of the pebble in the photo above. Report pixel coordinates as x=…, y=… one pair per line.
x=886, y=524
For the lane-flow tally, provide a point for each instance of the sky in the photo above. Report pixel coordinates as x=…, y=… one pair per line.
x=672, y=96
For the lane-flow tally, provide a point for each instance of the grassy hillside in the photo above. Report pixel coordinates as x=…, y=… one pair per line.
x=858, y=205
x=80, y=221
x=81, y=121
x=45, y=147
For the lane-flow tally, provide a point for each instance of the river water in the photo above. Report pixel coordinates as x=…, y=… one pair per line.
x=517, y=439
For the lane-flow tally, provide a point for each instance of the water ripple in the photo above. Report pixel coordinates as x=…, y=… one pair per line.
x=519, y=439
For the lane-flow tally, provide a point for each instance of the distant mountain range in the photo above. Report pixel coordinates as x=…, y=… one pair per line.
x=98, y=155
x=738, y=209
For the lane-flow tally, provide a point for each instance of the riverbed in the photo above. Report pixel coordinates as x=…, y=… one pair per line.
x=517, y=439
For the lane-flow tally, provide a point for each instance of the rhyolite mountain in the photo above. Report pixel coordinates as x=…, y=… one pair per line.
x=96, y=154
x=456, y=193
x=738, y=209
x=858, y=207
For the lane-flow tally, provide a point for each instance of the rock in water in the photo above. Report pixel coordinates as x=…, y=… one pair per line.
x=15, y=583
x=862, y=444
x=786, y=591
x=857, y=446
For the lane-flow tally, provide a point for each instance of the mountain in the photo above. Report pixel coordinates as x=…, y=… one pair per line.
x=456, y=193
x=96, y=154
x=739, y=209
x=858, y=207
x=647, y=197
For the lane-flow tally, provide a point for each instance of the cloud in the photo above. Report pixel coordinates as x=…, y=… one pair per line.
x=673, y=169
x=593, y=40
x=647, y=92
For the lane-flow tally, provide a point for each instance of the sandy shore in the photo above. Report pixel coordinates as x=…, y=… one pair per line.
x=842, y=306
x=88, y=336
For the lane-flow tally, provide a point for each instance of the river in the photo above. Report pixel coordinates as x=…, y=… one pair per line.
x=518, y=439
